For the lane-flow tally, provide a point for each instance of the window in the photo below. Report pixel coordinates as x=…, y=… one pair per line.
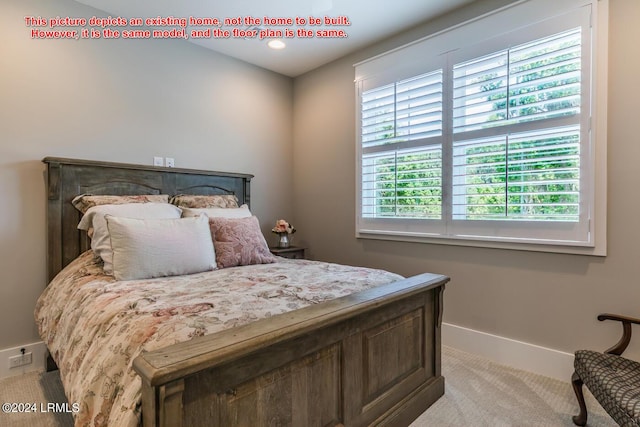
x=403, y=183
x=528, y=172
x=492, y=143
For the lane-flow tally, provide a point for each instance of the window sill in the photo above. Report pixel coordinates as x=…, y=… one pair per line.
x=597, y=250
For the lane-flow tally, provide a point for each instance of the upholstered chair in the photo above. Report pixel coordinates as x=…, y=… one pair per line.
x=612, y=379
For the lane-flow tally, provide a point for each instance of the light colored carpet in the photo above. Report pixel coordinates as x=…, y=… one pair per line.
x=34, y=388
x=478, y=393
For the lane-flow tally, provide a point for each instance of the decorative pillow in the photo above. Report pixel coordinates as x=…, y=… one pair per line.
x=148, y=248
x=84, y=202
x=239, y=241
x=241, y=212
x=200, y=201
x=95, y=219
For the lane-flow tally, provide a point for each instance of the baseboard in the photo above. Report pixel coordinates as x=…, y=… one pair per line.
x=517, y=354
x=38, y=356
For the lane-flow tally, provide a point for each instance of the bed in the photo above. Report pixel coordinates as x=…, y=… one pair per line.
x=363, y=349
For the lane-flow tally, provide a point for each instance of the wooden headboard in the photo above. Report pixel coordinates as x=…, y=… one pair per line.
x=67, y=178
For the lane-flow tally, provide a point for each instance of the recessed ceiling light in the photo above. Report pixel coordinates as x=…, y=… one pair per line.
x=276, y=44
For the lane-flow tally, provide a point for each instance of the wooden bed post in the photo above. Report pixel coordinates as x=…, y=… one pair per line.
x=54, y=220
x=166, y=411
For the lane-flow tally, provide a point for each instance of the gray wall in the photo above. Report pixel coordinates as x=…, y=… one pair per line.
x=125, y=101
x=540, y=298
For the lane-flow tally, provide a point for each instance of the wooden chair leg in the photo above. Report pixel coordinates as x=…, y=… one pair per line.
x=581, y=418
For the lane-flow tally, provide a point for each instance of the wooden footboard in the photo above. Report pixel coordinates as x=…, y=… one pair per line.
x=370, y=358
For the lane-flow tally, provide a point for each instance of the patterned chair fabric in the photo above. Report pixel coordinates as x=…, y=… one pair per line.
x=615, y=383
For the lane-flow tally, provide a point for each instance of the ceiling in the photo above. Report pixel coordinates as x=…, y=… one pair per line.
x=370, y=21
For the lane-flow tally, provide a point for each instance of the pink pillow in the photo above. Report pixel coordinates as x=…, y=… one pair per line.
x=239, y=241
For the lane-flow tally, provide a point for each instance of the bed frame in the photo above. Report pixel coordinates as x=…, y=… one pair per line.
x=370, y=358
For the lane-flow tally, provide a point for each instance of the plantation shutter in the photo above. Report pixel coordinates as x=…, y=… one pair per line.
x=483, y=132
x=518, y=174
x=399, y=181
x=403, y=111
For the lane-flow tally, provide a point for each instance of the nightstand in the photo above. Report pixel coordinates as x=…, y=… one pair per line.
x=292, y=252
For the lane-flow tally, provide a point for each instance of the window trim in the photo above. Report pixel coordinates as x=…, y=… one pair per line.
x=408, y=230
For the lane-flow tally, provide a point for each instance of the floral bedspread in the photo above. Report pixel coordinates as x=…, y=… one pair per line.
x=95, y=326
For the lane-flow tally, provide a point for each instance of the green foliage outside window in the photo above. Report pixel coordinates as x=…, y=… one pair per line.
x=529, y=176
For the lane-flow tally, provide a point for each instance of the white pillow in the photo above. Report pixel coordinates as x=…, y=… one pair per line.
x=147, y=248
x=241, y=212
x=94, y=219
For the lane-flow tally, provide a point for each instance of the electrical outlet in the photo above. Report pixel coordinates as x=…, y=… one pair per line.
x=169, y=162
x=20, y=360
x=158, y=161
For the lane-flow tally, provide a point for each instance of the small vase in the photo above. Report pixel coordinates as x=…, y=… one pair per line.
x=283, y=240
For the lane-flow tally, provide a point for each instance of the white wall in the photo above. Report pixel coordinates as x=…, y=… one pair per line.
x=545, y=299
x=125, y=101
